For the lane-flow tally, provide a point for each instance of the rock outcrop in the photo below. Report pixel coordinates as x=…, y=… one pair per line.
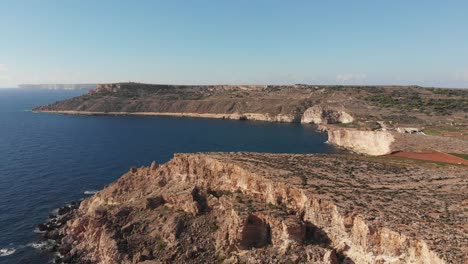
x=325, y=115
x=367, y=142
x=273, y=208
x=383, y=142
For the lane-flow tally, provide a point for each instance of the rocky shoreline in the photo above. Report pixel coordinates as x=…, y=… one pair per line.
x=353, y=116
x=51, y=235
x=268, y=208
x=233, y=116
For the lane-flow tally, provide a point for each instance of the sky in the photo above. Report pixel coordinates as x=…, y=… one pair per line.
x=420, y=42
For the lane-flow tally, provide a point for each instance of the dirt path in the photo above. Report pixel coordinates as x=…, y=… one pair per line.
x=432, y=156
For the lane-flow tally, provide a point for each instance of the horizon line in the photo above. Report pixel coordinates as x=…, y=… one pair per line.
x=227, y=84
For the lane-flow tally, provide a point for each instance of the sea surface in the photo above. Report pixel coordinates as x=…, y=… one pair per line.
x=47, y=160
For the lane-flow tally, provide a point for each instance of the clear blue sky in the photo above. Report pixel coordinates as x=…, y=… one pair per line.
x=242, y=41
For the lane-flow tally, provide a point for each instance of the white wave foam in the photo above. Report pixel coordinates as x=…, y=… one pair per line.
x=6, y=251
x=37, y=244
x=54, y=212
x=90, y=192
x=37, y=231
x=327, y=142
x=58, y=255
x=42, y=245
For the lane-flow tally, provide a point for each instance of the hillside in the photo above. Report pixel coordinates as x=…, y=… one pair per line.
x=385, y=115
x=273, y=208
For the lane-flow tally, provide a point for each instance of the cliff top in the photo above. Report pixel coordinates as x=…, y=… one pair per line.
x=420, y=200
x=276, y=208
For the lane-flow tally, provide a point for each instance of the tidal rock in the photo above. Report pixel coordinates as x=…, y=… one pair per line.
x=64, y=210
x=42, y=227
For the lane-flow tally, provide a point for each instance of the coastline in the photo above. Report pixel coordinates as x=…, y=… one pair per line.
x=352, y=116
x=367, y=142
x=235, y=116
x=200, y=188
x=348, y=139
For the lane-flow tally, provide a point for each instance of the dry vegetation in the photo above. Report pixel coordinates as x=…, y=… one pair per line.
x=397, y=105
x=275, y=208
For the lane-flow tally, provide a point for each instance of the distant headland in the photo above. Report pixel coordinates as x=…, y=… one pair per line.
x=59, y=86
x=373, y=120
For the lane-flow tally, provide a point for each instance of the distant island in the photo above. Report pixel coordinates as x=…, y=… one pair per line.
x=373, y=120
x=59, y=86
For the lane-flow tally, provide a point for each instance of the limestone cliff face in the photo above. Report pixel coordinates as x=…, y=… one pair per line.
x=377, y=143
x=366, y=142
x=235, y=208
x=318, y=114
x=193, y=209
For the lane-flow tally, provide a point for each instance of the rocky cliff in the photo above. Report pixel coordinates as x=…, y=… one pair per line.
x=273, y=208
x=318, y=114
x=380, y=142
x=367, y=142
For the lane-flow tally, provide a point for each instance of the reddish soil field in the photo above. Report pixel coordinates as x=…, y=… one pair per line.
x=432, y=156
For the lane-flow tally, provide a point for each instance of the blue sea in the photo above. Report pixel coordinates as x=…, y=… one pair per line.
x=47, y=160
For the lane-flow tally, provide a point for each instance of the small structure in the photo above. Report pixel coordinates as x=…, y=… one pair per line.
x=409, y=130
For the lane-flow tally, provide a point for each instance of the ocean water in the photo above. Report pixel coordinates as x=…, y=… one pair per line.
x=47, y=160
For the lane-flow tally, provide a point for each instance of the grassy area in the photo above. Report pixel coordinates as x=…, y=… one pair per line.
x=414, y=101
x=420, y=162
x=450, y=128
x=404, y=162
x=450, y=131
x=463, y=156
x=449, y=92
x=432, y=132
x=348, y=125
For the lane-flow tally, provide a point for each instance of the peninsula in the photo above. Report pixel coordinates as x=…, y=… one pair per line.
x=59, y=86
x=273, y=208
x=373, y=120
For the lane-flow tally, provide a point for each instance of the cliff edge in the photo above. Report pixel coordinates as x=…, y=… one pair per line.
x=274, y=208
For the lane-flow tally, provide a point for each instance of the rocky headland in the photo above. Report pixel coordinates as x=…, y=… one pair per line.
x=373, y=120
x=59, y=86
x=274, y=208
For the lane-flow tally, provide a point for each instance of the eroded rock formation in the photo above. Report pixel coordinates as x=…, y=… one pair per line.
x=318, y=114
x=273, y=208
x=368, y=142
x=377, y=142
